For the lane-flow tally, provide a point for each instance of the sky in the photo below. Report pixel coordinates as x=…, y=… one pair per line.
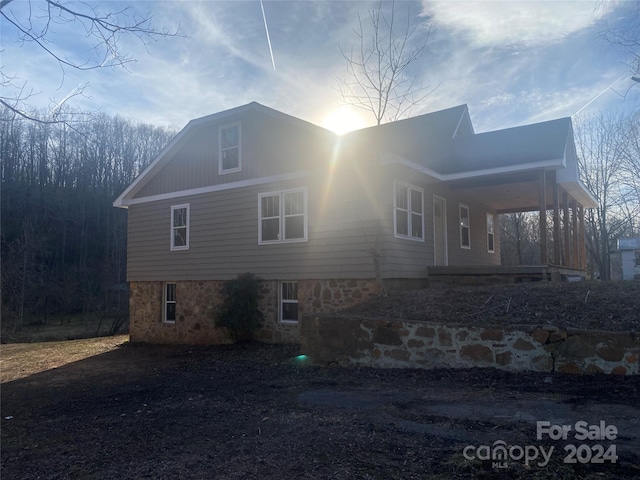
x=511, y=62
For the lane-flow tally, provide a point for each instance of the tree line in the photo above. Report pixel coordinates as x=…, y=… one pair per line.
x=63, y=243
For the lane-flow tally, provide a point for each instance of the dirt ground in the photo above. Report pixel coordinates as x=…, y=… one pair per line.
x=611, y=306
x=262, y=412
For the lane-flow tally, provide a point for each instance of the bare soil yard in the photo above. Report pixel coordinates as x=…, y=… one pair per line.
x=611, y=306
x=259, y=412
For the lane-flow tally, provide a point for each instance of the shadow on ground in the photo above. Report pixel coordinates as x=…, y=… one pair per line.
x=258, y=412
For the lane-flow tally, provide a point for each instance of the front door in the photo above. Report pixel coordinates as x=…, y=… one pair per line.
x=440, y=231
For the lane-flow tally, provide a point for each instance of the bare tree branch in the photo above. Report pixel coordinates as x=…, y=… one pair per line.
x=105, y=29
x=377, y=71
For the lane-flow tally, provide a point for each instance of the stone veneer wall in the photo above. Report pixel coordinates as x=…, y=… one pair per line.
x=196, y=302
x=397, y=344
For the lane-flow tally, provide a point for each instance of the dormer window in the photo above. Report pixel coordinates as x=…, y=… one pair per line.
x=229, y=155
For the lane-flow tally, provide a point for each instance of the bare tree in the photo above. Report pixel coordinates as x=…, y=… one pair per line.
x=601, y=142
x=627, y=37
x=378, y=77
x=40, y=26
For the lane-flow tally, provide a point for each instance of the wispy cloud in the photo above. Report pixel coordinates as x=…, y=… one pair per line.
x=516, y=23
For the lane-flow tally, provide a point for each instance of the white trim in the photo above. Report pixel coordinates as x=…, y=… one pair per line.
x=468, y=227
x=239, y=147
x=282, y=301
x=217, y=188
x=465, y=114
x=281, y=213
x=444, y=228
x=409, y=188
x=173, y=228
x=492, y=232
x=391, y=159
x=165, y=301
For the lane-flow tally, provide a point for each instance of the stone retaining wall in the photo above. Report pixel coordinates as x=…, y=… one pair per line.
x=196, y=302
x=398, y=344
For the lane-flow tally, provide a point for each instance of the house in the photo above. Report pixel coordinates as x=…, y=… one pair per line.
x=625, y=261
x=329, y=221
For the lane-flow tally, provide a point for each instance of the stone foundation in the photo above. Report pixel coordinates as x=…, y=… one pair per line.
x=196, y=302
x=398, y=344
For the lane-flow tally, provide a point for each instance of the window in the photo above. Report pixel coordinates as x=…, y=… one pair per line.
x=229, y=158
x=282, y=216
x=637, y=258
x=169, y=313
x=180, y=227
x=465, y=229
x=490, y=236
x=288, y=302
x=408, y=213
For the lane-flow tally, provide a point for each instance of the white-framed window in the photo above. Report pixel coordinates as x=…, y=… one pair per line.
x=282, y=216
x=408, y=211
x=490, y=235
x=180, y=227
x=169, y=303
x=465, y=227
x=288, y=301
x=637, y=255
x=229, y=151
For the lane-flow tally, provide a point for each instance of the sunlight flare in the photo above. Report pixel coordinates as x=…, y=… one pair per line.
x=342, y=120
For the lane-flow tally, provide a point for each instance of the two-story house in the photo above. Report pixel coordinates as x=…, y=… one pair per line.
x=327, y=221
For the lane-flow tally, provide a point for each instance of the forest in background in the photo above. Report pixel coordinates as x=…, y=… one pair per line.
x=63, y=242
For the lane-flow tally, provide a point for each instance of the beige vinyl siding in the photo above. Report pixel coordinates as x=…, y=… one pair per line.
x=402, y=258
x=269, y=146
x=478, y=253
x=224, y=236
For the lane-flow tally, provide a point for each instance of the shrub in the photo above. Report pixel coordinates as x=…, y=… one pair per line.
x=238, y=313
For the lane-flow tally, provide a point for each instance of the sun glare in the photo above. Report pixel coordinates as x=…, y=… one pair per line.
x=342, y=120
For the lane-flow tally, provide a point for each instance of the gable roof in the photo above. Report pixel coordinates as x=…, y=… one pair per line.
x=426, y=139
x=194, y=127
x=442, y=145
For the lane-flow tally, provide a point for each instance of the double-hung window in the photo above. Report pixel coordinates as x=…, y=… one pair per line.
x=282, y=216
x=169, y=311
x=229, y=153
x=288, y=302
x=465, y=227
x=408, y=211
x=490, y=235
x=180, y=227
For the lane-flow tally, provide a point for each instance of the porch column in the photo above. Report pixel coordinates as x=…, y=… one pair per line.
x=557, y=241
x=542, y=200
x=574, y=221
x=566, y=261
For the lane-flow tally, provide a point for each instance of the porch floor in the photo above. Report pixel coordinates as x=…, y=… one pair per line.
x=474, y=275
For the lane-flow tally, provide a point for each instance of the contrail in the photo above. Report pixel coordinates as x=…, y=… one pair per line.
x=266, y=29
x=598, y=96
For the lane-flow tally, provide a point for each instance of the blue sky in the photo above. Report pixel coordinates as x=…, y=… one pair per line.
x=512, y=62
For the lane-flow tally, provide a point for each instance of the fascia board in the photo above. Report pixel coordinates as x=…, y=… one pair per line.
x=387, y=159
x=218, y=188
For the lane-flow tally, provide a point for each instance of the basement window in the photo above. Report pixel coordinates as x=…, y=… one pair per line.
x=169, y=311
x=289, y=302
